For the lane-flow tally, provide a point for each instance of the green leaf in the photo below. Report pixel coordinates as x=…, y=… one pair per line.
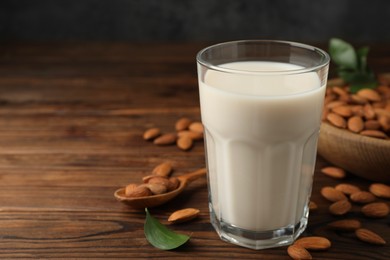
x=362, y=54
x=160, y=236
x=343, y=53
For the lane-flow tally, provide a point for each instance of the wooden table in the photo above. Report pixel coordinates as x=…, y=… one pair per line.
x=71, y=120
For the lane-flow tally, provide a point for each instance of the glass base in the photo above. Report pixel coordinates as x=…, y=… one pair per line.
x=258, y=239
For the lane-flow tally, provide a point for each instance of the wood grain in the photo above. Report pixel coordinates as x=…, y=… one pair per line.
x=71, y=123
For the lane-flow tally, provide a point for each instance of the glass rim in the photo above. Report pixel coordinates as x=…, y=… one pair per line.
x=323, y=63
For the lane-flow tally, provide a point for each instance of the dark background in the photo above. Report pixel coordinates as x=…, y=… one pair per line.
x=360, y=21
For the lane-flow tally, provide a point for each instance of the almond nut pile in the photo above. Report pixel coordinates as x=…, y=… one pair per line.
x=371, y=204
x=186, y=133
x=158, y=182
x=367, y=112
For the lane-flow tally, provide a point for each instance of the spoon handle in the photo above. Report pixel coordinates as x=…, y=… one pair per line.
x=189, y=177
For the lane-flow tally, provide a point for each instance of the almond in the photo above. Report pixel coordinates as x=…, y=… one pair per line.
x=139, y=191
x=355, y=124
x=346, y=188
x=384, y=121
x=345, y=224
x=340, y=207
x=334, y=172
x=369, y=94
x=358, y=110
x=336, y=120
x=313, y=243
x=371, y=125
x=312, y=206
x=380, y=190
x=184, y=143
x=130, y=188
x=191, y=134
x=151, y=133
x=374, y=133
x=344, y=111
x=339, y=91
x=173, y=183
x=159, y=180
x=334, y=104
x=381, y=112
x=298, y=252
x=196, y=127
x=182, y=124
x=146, y=179
x=165, y=139
x=163, y=169
x=183, y=215
x=332, y=194
x=358, y=99
x=362, y=197
x=368, y=236
x=368, y=111
x=376, y=210
x=156, y=188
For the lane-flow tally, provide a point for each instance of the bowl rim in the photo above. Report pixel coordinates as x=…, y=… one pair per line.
x=354, y=137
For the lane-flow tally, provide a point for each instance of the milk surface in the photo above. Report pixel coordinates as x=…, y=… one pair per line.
x=261, y=137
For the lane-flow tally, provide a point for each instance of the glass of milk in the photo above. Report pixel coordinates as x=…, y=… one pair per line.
x=261, y=105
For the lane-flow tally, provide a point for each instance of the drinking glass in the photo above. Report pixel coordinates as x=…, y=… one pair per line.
x=261, y=103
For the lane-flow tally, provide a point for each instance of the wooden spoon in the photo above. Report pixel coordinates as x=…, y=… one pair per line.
x=156, y=200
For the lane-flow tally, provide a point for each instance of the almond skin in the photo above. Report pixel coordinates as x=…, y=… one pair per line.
x=355, y=124
x=341, y=207
x=313, y=206
x=369, y=94
x=173, y=183
x=346, y=188
x=151, y=133
x=156, y=188
x=334, y=104
x=384, y=121
x=332, y=194
x=368, y=236
x=140, y=191
x=182, y=124
x=184, y=143
x=298, y=252
x=163, y=169
x=313, y=243
x=376, y=210
x=371, y=125
x=196, y=136
x=334, y=172
x=183, y=215
x=196, y=127
x=362, y=197
x=130, y=188
x=165, y=139
x=159, y=180
x=336, y=120
x=374, y=133
x=368, y=111
x=344, y=111
x=380, y=190
x=339, y=91
x=345, y=225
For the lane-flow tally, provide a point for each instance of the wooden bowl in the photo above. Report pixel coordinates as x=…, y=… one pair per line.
x=363, y=156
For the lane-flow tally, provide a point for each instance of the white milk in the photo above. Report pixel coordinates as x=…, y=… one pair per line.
x=261, y=137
